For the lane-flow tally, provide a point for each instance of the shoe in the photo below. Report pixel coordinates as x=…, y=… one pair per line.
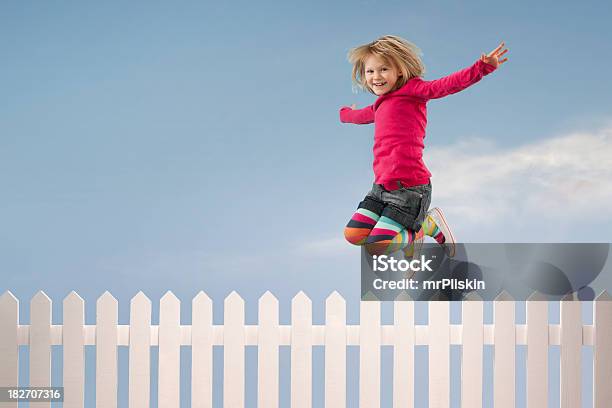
x=449, y=240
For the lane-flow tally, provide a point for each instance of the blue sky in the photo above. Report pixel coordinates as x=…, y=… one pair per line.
x=197, y=145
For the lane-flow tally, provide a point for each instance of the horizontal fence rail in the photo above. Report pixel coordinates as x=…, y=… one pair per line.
x=335, y=335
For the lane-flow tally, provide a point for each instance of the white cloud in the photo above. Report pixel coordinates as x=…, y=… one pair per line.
x=558, y=179
x=545, y=191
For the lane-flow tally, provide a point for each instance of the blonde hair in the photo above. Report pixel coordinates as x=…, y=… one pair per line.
x=401, y=54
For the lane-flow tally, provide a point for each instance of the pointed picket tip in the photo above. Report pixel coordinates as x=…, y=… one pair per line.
x=403, y=296
x=169, y=298
x=369, y=296
x=301, y=297
x=233, y=297
x=201, y=298
x=472, y=297
x=438, y=297
x=604, y=296
x=106, y=298
x=537, y=297
x=233, y=310
x=8, y=297
x=39, y=297
x=300, y=294
x=335, y=293
x=73, y=298
x=335, y=298
x=268, y=310
x=504, y=296
x=140, y=297
x=569, y=297
x=268, y=298
x=9, y=305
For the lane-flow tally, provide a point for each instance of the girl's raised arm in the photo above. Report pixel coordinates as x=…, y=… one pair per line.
x=459, y=80
x=348, y=114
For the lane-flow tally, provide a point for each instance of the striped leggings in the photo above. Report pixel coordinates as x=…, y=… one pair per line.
x=375, y=226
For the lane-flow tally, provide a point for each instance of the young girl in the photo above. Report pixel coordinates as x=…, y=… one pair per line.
x=397, y=206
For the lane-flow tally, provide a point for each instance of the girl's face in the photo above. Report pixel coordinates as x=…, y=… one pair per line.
x=381, y=76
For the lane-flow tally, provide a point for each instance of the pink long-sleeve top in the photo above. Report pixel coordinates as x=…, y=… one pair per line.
x=400, y=118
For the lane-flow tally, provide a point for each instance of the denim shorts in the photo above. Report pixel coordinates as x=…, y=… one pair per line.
x=406, y=205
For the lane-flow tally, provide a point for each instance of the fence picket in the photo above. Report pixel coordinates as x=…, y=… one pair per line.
x=335, y=351
x=267, y=352
x=571, y=351
x=201, y=351
x=106, y=351
x=233, y=352
x=74, y=352
x=472, y=339
x=40, y=343
x=439, y=354
x=169, y=350
x=537, y=351
x=505, y=343
x=9, y=350
x=369, y=354
x=403, y=353
x=602, y=352
x=139, y=383
x=301, y=351
x=335, y=335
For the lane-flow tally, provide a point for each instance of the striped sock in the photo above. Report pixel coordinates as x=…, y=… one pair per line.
x=360, y=226
x=431, y=228
x=388, y=236
x=404, y=239
x=409, y=250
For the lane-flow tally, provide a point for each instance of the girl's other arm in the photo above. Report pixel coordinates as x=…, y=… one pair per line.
x=348, y=114
x=459, y=80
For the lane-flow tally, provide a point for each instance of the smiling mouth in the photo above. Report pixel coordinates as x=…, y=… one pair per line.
x=379, y=84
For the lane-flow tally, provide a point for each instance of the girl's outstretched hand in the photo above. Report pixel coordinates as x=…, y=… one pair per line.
x=493, y=58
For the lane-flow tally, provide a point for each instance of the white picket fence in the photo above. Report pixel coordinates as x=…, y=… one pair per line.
x=335, y=335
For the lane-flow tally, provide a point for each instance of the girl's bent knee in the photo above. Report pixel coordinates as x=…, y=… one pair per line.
x=355, y=236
